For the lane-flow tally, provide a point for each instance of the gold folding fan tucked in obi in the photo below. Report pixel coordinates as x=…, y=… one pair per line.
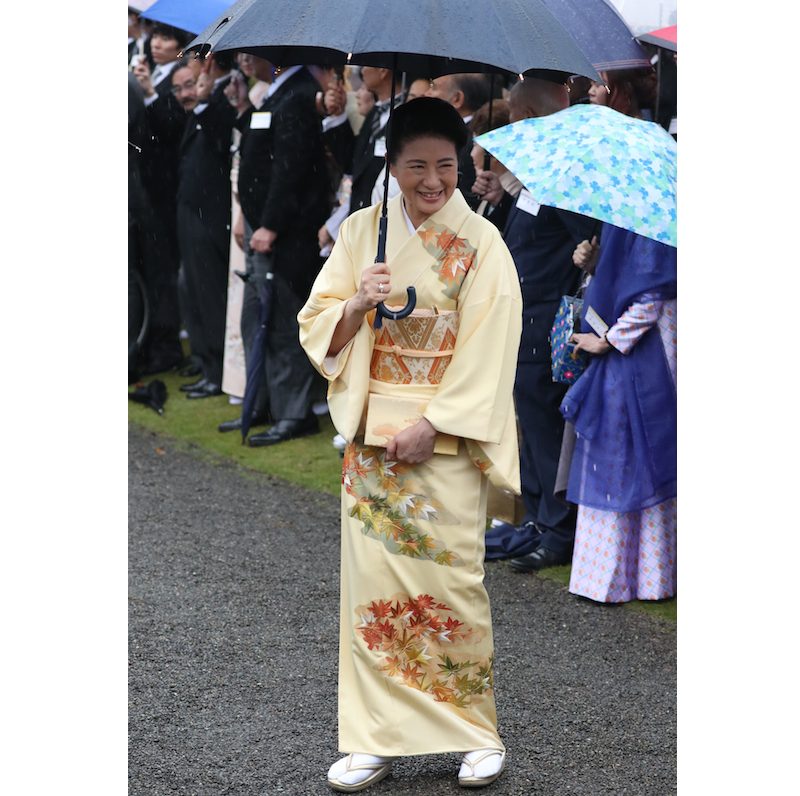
x=413, y=354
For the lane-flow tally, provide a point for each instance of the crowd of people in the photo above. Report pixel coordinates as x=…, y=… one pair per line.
x=255, y=191
x=236, y=162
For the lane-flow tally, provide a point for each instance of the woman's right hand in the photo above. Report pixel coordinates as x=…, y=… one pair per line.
x=374, y=288
x=585, y=255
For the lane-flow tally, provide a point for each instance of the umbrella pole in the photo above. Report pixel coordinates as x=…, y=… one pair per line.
x=383, y=224
x=658, y=88
x=486, y=156
x=384, y=221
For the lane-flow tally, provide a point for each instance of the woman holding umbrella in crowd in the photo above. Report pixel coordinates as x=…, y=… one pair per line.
x=416, y=650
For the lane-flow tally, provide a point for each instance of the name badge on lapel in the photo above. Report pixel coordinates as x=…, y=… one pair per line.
x=380, y=148
x=527, y=203
x=261, y=120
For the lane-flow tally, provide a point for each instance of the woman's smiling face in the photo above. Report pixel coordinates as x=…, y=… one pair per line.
x=426, y=169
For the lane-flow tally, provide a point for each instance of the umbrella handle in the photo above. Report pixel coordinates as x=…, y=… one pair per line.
x=382, y=312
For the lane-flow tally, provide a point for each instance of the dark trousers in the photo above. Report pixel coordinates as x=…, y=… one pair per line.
x=204, y=246
x=158, y=252
x=537, y=400
x=290, y=382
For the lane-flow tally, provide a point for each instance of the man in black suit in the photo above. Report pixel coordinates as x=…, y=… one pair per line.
x=541, y=240
x=369, y=151
x=203, y=214
x=284, y=195
x=466, y=93
x=166, y=119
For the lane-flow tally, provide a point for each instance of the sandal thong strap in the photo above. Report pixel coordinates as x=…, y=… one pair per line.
x=476, y=761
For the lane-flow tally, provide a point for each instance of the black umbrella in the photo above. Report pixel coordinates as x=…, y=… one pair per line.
x=153, y=395
x=427, y=37
x=255, y=358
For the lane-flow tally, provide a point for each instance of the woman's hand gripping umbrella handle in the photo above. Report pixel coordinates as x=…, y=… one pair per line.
x=381, y=311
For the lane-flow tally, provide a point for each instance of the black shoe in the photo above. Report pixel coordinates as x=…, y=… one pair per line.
x=207, y=390
x=539, y=559
x=283, y=430
x=236, y=425
x=194, y=386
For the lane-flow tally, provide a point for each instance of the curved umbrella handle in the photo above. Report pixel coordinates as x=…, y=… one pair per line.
x=381, y=312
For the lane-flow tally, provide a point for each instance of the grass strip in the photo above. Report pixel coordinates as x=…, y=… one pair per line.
x=311, y=462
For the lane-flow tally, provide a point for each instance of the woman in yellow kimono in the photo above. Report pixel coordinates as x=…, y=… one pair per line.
x=425, y=404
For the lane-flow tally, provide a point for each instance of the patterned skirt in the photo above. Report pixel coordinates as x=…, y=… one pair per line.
x=415, y=645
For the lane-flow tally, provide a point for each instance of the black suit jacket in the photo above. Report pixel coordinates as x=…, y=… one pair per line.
x=365, y=167
x=542, y=247
x=283, y=181
x=466, y=174
x=205, y=163
x=166, y=119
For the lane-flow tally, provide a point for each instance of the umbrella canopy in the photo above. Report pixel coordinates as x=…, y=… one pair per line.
x=601, y=33
x=428, y=37
x=663, y=37
x=598, y=162
x=189, y=15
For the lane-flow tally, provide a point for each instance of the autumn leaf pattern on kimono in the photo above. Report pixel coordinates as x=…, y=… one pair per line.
x=390, y=506
x=454, y=256
x=418, y=641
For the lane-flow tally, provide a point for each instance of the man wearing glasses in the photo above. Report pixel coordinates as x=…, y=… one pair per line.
x=165, y=118
x=203, y=213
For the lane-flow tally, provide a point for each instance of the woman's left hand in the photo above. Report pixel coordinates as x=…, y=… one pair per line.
x=590, y=343
x=413, y=445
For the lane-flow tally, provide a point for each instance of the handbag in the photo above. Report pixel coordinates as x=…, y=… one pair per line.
x=567, y=364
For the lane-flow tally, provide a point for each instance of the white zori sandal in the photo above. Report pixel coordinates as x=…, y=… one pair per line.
x=358, y=771
x=481, y=767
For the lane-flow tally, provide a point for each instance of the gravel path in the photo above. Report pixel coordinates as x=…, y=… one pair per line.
x=233, y=648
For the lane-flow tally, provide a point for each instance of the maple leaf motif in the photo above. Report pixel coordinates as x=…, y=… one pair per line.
x=443, y=693
x=427, y=235
x=389, y=632
x=392, y=665
x=380, y=609
x=453, y=262
x=445, y=558
x=372, y=636
x=452, y=624
x=424, y=602
x=412, y=675
x=445, y=238
x=367, y=619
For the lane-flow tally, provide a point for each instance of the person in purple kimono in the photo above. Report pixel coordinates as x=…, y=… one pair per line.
x=623, y=407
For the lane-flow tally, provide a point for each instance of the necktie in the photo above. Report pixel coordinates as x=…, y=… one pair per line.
x=380, y=109
x=156, y=77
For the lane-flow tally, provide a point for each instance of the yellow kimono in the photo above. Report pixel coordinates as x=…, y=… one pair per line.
x=415, y=645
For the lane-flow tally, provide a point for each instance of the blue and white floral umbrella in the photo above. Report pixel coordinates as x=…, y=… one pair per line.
x=598, y=162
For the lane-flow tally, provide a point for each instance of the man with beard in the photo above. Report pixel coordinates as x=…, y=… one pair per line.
x=203, y=214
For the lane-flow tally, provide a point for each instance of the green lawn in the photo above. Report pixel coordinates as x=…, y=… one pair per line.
x=312, y=462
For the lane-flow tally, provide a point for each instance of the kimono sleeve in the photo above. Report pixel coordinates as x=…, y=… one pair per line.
x=347, y=372
x=475, y=397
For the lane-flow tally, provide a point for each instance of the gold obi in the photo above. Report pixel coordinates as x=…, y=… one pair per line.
x=414, y=350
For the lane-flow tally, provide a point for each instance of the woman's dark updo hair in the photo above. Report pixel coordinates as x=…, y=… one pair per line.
x=425, y=116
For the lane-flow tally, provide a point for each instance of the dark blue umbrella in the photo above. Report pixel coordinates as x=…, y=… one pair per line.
x=255, y=360
x=601, y=33
x=426, y=37
x=189, y=15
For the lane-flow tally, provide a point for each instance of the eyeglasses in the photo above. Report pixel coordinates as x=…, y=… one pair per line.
x=187, y=86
